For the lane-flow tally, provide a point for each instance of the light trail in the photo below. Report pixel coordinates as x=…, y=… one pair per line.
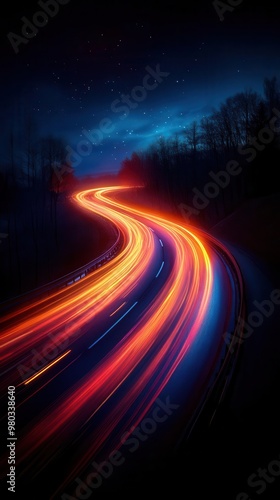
x=113, y=326
x=160, y=269
x=46, y=368
x=118, y=308
x=139, y=366
x=83, y=301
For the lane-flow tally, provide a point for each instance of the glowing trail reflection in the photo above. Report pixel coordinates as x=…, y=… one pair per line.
x=160, y=331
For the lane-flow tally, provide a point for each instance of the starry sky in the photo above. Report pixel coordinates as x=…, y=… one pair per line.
x=110, y=78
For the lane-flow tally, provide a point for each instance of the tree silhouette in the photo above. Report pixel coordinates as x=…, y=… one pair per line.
x=172, y=168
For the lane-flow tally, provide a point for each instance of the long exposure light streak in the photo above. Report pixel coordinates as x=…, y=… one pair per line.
x=136, y=364
x=46, y=368
x=111, y=327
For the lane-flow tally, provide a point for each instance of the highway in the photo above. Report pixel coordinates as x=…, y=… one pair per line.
x=115, y=367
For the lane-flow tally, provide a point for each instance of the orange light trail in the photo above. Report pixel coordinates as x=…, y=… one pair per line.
x=46, y=368
x=138, y=366
x=113, y=313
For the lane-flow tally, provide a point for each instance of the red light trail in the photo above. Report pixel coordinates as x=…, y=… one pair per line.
x=135, y=367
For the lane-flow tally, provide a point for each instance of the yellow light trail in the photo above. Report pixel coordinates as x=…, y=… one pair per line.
x=39, y=373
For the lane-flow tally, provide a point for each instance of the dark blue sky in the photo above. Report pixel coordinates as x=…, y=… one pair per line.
x=90, y=69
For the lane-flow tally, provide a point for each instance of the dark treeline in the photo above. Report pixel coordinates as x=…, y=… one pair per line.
x=215, y=164
x=32, y=181
x=193, y=173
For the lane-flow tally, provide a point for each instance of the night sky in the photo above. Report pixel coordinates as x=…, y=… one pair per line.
x=128, y=73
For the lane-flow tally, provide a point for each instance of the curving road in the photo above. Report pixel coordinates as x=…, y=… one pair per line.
x=116, y=367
